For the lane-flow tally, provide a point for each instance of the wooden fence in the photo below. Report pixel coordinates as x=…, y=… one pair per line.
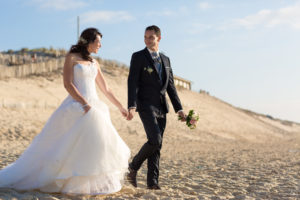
x=31, y=68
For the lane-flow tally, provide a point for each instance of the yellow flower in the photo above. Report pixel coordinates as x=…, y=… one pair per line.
x=150, y=70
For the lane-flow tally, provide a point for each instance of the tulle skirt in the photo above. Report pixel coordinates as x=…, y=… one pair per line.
x=75, y=153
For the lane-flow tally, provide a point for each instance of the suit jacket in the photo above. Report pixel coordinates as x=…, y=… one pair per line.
x=146, y=91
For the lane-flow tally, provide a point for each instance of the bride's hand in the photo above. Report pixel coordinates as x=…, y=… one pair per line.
x=86, y=108
x=123, y=111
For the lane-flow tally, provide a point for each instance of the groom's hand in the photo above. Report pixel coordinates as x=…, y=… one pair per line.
x=182, y=115
x=131, y=112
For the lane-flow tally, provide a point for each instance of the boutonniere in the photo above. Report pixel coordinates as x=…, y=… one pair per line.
x=149, y=69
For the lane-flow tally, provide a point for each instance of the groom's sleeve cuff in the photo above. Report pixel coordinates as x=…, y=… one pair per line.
x=132, y=107
x=179, y=111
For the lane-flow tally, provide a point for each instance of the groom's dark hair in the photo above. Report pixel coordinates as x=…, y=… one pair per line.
x=154, y=28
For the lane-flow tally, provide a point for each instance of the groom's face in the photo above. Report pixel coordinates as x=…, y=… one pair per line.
x=151, y=39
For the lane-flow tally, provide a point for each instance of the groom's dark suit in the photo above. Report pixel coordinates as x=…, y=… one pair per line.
x=147, y=93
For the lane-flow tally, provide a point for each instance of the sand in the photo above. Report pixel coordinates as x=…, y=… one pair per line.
x=232, y=154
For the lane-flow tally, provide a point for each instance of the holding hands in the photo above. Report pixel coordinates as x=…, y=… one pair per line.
x=123, y=111
x=131, y=112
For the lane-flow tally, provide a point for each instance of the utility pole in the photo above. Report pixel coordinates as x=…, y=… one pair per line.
x=77, y=27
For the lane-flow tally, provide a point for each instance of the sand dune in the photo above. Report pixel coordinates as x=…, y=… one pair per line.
x=233, y=154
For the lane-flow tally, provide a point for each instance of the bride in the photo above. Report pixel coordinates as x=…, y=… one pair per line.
x=78, y=151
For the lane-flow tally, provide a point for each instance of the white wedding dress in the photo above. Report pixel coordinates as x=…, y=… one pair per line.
x=75, y=153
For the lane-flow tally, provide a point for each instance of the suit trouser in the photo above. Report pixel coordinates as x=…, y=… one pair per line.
x=154, y=126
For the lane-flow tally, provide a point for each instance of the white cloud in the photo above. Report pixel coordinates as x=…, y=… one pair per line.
x=196, y=28
x=180, y=11
x=183, y=10
x=105, y=17
x=161, y=13
x=204, y=5
x=59, y=4
x=289, y=16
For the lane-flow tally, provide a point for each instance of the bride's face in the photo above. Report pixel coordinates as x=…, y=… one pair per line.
x=94, y=47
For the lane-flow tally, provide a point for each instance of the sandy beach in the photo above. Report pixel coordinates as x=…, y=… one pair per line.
x=232, y=154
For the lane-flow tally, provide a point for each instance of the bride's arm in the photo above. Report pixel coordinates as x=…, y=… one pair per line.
x=68, y=80
x=107, y=92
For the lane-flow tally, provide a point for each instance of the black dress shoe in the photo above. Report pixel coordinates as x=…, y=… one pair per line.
x=154, y=187
x=131, y=177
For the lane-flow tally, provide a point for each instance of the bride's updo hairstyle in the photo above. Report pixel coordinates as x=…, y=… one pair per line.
x=87, y=36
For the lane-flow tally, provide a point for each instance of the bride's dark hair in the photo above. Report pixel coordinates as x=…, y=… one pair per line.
x=87, y=36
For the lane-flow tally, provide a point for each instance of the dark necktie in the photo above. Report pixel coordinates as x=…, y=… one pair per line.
x=157, y=63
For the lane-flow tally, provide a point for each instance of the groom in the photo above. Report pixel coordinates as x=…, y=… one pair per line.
x=150, y=78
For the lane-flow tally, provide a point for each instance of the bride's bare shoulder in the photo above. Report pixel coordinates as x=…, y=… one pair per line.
x=96, y=62
x=72, y=58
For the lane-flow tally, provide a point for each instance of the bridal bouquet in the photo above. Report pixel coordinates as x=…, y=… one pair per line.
x=191, y=119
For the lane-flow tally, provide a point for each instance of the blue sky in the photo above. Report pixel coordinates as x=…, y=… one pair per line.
x=243, y=52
